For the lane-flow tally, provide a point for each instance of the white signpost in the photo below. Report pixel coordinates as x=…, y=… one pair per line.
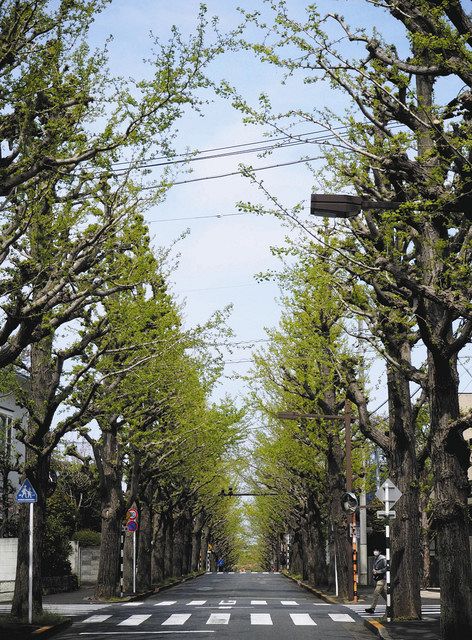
x=27, y=495
x=389, y=494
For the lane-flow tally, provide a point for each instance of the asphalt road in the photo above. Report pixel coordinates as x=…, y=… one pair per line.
x=239, y=606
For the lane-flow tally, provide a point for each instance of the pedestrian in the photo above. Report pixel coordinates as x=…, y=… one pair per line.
x=380, y=573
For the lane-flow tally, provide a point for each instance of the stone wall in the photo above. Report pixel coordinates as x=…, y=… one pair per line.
x=89, y=557
x=84, y=565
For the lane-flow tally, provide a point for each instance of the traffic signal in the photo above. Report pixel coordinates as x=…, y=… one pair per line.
x=349, y=502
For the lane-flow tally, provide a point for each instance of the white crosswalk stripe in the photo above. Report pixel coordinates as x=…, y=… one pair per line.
x=219, y=618
x=196, y=603
x=258, y=601
x=133, y=621
x=165, y=603
x=132, y=604
x=341, y=617
x=289, y=603
x=97, y=618
x=177, y=619
x=302, y=620
x=261, y=618
x=360, y=609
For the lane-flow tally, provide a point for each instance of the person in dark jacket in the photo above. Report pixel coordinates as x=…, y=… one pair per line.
x=380, y=573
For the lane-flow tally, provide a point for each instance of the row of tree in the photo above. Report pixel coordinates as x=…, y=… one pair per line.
x=86, y=314
x=404, y=140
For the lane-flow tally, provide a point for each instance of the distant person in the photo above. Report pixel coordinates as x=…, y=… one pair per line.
x=380, y=573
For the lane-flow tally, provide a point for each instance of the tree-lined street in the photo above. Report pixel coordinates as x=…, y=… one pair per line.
x=226, y=605
x=145, y=438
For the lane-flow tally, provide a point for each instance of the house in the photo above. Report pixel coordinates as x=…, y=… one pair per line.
x=12, y=453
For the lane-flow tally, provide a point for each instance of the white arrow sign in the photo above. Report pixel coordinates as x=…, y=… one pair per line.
x=389, y=491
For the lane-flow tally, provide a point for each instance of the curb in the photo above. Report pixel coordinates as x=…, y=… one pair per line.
x=377, y=628
x=319, y=594
x=147, y=594
x=51, y=630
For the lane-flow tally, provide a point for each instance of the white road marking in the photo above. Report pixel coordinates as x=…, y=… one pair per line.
x=219, y=618
x=322, y=604
x=176, y=619
x=258, y=601
x=261, y=618
x=341, y=617
x=227, y=602
x=196, y=603
x=302, y=620
x=289, y=603
x=132, y=604
x=165, y=603
x=226, y=607
x=97, y=618
x=140, y=633
x=133, y=621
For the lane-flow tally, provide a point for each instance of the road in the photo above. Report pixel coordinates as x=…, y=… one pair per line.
x=239, y=606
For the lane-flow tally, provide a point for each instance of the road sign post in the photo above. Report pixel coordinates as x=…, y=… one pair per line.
x=27, y=495
x=389, y=494
x=132, y=525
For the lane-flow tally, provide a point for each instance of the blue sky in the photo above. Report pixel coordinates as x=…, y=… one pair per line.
x=220, y=256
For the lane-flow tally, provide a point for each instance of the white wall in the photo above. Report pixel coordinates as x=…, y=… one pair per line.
x=8, y=553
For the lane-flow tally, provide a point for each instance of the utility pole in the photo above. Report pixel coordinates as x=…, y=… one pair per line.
x=353, y=524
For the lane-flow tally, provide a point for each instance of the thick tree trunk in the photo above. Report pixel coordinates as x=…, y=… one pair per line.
x=425, y=545
x=128, y=563
x=187, y=540
x=338, y=519
x=403, y=471
x=179, y=545
x=169, y=544
x=143, y=574
x=158, y=549
x=204, y=547
x=296, y=561
x=450, y=457
x=197, y=542
x=111, y=495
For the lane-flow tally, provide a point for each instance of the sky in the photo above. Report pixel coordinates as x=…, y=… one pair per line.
x=220, y=256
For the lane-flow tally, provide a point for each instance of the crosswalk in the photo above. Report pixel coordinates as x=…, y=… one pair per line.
x=216, y=618
x=427, y=610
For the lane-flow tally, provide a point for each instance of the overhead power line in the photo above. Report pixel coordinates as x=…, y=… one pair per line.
x=268, y=144
x=233, y=173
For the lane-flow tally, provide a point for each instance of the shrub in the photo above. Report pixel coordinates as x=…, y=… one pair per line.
x=87, y=538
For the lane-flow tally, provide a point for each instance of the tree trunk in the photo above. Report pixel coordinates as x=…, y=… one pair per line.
x=179, y=544
x=158, y=549
x=107, y=457
x=296, y=562
x=403, y=471
x=450, y=458
x=204, y=547
x=143, y=575
x=425, y=545
x=338, y=519
x=128, y=562
x=197, y=542
x=169, y=544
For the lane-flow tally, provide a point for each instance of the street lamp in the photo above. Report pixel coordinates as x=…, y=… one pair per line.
x=344, y=206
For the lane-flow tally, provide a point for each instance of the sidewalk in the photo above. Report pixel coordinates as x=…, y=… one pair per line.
x=425, y=629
